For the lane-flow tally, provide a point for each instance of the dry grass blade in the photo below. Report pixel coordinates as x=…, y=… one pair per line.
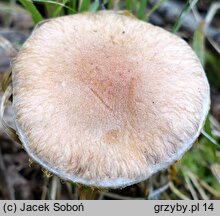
x=177, y=192
x=116, y=5
x=6, y=80
x=191, y=188
x=197, y=186
x=156, y=193
x=207, y=136
x=9, y=130
x=209, y=189
x=44, y=189
x=215, y=126
x=209, y=17
x=211, y=13
x=215, y=168
x=214, y=44
x=54, y=190
x=7, y=47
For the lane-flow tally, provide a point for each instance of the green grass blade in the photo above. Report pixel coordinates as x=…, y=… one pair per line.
x=135, y=5
x=128, y=5
x=84, y=5
x=94, y=6
x=29, y=6
x=155, y=7
x=186, y=9
x=142, y=8
x=199, y=41
x=109, y=4
x=54, y=3
x=59, y=8
x=73, y=5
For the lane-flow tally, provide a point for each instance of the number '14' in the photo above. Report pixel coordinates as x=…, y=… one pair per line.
x=208, y=206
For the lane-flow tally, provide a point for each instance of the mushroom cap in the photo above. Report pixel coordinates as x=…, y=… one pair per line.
x=107, y=100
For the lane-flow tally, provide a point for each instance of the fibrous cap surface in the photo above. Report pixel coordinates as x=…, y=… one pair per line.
x=104, y=99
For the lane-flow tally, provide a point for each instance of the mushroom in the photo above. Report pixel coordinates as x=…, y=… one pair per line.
x=106, y=100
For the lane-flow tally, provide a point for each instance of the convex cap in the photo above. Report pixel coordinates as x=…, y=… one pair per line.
x=107, y=100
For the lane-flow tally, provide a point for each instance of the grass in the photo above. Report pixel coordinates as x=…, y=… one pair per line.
x=58, y=7
x=29, y=5
x=186, y=9
x=193, y=171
